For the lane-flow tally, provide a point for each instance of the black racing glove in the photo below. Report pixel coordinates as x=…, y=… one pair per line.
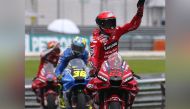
x=140, y=3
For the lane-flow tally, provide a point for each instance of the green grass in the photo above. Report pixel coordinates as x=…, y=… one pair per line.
x=31, y=68
x=138, y=66
x=147, y=66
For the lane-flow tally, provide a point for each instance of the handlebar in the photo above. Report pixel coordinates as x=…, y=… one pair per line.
x=137, y=76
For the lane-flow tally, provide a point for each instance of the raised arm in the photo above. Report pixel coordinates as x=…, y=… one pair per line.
x=135, y=22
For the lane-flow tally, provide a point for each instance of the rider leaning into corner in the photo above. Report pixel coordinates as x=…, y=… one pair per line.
x=48, y=62
x=106, y=37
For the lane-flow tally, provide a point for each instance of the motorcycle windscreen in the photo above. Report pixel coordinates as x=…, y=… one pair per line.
x=76, y=63
x=47, y=68
x=115, y=63
x=77, y=67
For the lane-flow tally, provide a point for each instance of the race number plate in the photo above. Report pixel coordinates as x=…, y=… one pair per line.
x=79, y=73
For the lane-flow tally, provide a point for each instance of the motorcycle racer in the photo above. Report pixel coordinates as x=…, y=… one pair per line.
x=106, y=37
x=77, y=50
x=105, y=42
x=48, y=62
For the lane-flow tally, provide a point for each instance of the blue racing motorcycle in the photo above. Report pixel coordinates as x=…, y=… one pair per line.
x=74, y=80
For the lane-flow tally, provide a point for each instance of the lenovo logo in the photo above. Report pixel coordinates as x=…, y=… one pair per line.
x=110, y=46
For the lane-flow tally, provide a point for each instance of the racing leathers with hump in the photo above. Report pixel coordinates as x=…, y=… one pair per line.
x=77, y=50
x=48, y=62
x=106, y=37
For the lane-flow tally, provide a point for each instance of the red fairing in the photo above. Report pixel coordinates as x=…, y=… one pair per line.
x=102, y=46
x=41, y=81
x=46, y=84
x=115, y=78
x=40, y=67
x=46, y=65
x=128, y=81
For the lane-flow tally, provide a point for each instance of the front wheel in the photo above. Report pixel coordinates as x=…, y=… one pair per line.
x=114, y=105
x=81, y=101
x=51, y=102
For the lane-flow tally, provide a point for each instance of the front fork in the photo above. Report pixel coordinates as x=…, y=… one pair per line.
x=114, y=99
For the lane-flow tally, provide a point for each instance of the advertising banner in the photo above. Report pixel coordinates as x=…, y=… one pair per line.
x=35, y=43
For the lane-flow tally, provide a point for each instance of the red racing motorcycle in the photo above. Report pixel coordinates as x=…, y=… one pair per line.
x=115, y=86
x=49, y=92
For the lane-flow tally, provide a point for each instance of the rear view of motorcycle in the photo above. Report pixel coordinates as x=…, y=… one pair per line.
x=74, y=81
x=114, y=86
x=50, y=92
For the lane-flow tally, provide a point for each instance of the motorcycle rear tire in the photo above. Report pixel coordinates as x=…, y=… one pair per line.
x=51, y=102
x=81, y=101
x=114, y=105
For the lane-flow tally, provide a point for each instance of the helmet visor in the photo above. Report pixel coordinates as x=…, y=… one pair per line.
x=107, y=23
x=77, y=49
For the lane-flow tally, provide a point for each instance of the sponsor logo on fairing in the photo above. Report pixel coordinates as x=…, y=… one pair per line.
x=102, y=78
x=128, y=78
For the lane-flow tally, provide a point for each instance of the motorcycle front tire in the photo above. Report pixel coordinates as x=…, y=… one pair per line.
x=114, y=105
x=51, y=98
x=81, y=101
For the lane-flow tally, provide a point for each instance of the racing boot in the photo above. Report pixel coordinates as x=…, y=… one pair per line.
x=61, y=102
x=61, y=99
